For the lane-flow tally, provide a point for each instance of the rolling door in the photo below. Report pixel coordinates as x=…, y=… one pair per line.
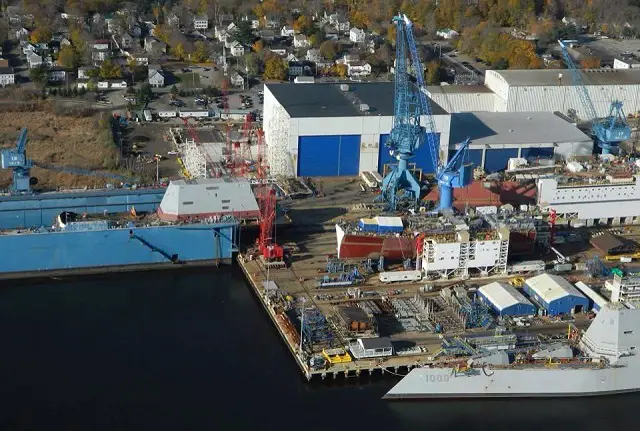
x=473, y=156
x=496, y=160
x=422, y=158
x=328, y=156
x=537, y=153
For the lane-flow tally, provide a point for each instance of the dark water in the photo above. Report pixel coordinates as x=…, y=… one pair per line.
x=195, y=351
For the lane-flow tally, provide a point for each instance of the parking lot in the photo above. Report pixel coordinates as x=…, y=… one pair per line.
x=608, y=49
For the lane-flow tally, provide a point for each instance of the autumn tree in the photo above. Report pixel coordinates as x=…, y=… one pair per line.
x=40, y=35
x=68, y=58
x=275, y=68
x=163, y=33
x=304, y=25
x=258, y=45
x=109, y=70
x=330, y=49
x=590, y=63
x=432, y=73
x=341, y=70
x=253, y=64
x=200, y=53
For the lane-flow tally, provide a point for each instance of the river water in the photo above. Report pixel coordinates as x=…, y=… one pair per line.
x=195, y=351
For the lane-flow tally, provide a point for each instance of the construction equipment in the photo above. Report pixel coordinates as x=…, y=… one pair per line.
x=16, y=159
x=562, y=259
x=458, y=172
x=609, y=131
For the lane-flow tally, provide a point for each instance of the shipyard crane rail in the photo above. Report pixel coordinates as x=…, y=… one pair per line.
x=608, y=131
x=17, y=160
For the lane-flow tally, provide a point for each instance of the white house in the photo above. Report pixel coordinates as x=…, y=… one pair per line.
x=112, y=84
x=101, y=45
x=272, y=21
x=173, y=20
x=237, y=50
x=287, y=31
x=99, y=55
x=292, y=57
x=7, y=76
x=313, y=55
x=358, y=69
x=34, y=60
x=28, y=48
x=22, y=33
x=447, y=33
x=296, y=68
x=84, y=71
x=357, y=36
x=65, y=42
x=301, y=41
x=201, y=22
x=348, y=59
x=56, y=75
x=237, y=80
x=126, y=41
x=156, y=77
x=627, y=63
x=267, y=35
x=340, y=22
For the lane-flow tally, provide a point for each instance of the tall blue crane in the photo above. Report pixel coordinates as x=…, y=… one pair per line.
x=407, y=134
x=609, y=131
x=16, y=159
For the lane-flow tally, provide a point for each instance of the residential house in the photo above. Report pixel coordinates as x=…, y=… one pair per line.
x=56, y=75
x=126, y=41
x=292, y=57
x=340, y=22
x=112, y=84
x=65, y=42
x=279, y=50
x=201, y=22
x=34, y=60
x=101, y=55
x=27, y=48
x=4, y=62
x=301, y=41
x=313, y=55
x=268, y=35
x=237, y=50
x=626, y=63
x=154, y=46
x=101, y=45
x=348, y=59
x=330, y=33
x=113, y=25
x=156, y=76
x=135, y=30
x=173, y=20
x=287, y=31
x=7, y=76
x=237, y=80
x=357, y=36
x=231, y=28
x=358, y=68
x=84, y=72
x=296, y=68
x=255, y=22
x=447, y=33
x=139, y=57
x=272, y=21
x=22, y=33
x=225, y=18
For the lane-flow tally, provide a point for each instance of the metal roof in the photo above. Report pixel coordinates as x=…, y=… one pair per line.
x=503, y=295
x=328, y=100
x=208, y=196
x=607, y=243
x=508, y=128
x=552, y=287
x=592, y=294
x=456, y=89
x=549, y=77
x=375, y=343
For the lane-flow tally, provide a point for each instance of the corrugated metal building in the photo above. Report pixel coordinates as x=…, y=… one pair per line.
x=596, y=301
x=498, y=136
x=555, y=294
x=506, y=300
x=326, y=129
x=544, y=90
x=204, y=198
x=462, y=98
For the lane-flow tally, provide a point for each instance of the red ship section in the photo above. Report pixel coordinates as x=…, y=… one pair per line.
x=364, y=246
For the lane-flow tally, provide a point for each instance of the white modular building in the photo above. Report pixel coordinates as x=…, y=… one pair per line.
x=611, y=201
x=506, y=300
x=552, y=90
x=497, y=137
x=327, y=129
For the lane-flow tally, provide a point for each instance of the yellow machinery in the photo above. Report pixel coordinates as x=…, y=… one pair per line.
x=615, y=257
x=517, y=282
x=336, y=356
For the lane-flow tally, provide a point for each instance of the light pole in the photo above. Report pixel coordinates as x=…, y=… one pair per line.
x=157, y=170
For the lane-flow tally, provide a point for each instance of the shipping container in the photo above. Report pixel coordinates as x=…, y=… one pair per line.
x=397, y=276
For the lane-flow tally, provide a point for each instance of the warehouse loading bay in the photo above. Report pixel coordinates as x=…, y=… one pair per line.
x=425, y=322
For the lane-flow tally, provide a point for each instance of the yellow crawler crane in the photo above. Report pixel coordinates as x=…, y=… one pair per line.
x=336, y=356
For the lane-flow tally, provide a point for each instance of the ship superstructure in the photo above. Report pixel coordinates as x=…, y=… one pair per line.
x=603, y=360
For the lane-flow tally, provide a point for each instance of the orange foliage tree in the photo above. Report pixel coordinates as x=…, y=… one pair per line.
x=590, y=63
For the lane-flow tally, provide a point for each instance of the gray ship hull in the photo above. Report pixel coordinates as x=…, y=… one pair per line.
x=525, y=383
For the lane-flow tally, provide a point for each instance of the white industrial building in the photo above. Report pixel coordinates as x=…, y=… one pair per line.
x=506, y=300
x=208, y=198
x=625, y=288
x=611, y=201
x=597, y=301
x=555, y=294
x=497, y=137
x=553, y=90
x=336, y=129
x=462, y=98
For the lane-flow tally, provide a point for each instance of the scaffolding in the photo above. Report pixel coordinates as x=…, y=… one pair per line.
x=278, y=154
x=315, y=328
x=194, y=161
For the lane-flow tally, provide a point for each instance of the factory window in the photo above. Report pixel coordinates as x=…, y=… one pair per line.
x=628, y=332
x=187, y=203
x=225, y=208
x=226, y=201
x=213, y=188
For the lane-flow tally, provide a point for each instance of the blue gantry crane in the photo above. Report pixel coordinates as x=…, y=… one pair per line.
x=407, y=134
x=609, y=131
x=16, y=159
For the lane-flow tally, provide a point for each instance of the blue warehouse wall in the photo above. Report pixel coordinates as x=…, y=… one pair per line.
x=564, y=305
x=496, y=160
x=114, y=247
x=422, y=158
x=519, y=310
x=473, y=156
x=41, y=209
x=329, y=155
x=535, y=153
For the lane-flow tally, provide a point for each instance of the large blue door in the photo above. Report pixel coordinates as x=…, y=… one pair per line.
x=422, y=158
x=496, y=160
x=537, y=153
x=328, y=156
x=473, y=156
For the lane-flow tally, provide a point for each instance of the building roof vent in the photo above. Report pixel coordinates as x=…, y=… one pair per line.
x=344, y=87
x=364, y=107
